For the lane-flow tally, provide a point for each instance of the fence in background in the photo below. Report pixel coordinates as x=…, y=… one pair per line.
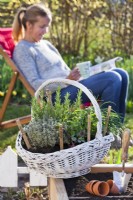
x=9, y=171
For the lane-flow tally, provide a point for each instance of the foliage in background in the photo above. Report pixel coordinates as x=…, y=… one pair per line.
x=92, y=28
x=8, y=9
x=19, y=94
x=81, y=30
x=84, y=27
x=127, y=64
x=114, y=156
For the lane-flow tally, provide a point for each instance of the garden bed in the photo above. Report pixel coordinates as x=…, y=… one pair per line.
x=75, y=187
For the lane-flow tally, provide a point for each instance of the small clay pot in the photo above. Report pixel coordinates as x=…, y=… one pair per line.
x=89, y=186
x=101, y=188
x=113, y=187
x=110, y=183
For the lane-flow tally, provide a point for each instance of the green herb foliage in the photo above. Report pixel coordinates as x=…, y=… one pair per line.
x=43, y=130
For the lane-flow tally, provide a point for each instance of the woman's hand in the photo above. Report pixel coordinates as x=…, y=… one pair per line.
x=74, y=74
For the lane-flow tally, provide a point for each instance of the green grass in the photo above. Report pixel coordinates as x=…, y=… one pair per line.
x=114, y=156
x=129, y=121
x=129, y=124
x=8, y=136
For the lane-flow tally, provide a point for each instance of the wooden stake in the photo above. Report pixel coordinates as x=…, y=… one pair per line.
x=27, y=190
x=107, y=120
x=23, y=134
x=49, y=99
x=61, y=137
x=89, y=128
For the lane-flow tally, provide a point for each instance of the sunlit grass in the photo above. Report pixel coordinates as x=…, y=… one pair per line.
x=8, y=136
x=114, y=156
x=129, y=121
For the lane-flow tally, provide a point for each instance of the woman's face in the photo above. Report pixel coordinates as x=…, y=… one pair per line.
x=38, y=29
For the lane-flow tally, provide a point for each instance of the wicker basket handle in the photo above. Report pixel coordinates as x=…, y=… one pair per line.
x=86, y=91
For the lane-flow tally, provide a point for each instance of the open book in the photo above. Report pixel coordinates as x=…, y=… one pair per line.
x=87, y=70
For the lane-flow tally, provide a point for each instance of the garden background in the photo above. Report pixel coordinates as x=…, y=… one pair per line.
x=82, y=30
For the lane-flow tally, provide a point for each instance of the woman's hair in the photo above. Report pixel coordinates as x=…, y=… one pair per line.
x=28, y=15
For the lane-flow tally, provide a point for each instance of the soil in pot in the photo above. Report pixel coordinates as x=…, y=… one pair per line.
x=49, y=149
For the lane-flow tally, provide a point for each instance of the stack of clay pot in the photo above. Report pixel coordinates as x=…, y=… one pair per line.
x=102, y=188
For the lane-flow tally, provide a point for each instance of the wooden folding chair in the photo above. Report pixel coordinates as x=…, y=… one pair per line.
x=6, y=49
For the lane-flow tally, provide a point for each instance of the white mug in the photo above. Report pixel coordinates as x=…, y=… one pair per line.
x=84, y=68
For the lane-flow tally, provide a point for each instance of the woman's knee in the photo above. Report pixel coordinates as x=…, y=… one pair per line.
x=123, y=73
x=114, y=77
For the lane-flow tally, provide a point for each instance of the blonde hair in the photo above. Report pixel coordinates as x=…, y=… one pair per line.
x=28, y=15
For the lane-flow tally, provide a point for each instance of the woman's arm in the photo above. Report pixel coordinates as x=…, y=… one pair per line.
x=27, y=66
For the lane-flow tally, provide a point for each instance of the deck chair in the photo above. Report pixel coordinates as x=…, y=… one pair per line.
x=6, y=50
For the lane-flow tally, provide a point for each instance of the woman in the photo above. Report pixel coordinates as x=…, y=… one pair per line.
x=39, y=60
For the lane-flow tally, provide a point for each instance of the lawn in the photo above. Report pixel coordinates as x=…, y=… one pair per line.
x=8, y=136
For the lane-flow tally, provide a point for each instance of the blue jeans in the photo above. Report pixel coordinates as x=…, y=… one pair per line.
x=111, y=87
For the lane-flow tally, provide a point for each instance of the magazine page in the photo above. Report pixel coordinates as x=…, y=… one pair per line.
x=104, y=66
x=87, y=70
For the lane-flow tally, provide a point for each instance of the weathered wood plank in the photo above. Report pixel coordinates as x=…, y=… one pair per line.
x=99, y=168
x=57, y=190
x=109, y=197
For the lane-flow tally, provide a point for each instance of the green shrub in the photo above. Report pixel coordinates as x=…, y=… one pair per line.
x=127, y=64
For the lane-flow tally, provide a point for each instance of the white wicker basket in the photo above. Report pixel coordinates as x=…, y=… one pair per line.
x=71, y=162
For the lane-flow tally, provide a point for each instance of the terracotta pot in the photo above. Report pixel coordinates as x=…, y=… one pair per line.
x=113, y=187
x=89, y=186
x=110, y=183
x=101, y=188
